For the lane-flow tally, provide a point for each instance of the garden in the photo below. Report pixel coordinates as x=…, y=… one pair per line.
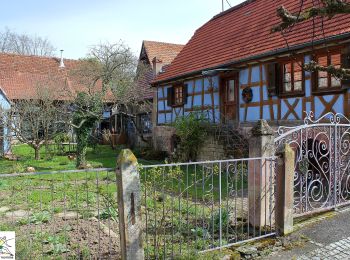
x=74, y=215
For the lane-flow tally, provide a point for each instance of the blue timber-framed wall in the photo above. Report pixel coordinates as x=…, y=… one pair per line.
x=5, y=143
x=291, y=108
x=204, y=95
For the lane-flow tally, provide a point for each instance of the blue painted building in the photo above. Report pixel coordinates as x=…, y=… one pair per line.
x=236, y=71
x=264, y=66
x=5, y=142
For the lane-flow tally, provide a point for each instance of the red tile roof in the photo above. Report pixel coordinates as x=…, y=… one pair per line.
x=244, y=31
x=166, y=52
x=144, y=84
x=21, y=77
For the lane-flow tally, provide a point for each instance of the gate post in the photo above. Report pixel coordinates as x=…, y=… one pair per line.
x=285, y=189
x=129, y=206
x=260, y=188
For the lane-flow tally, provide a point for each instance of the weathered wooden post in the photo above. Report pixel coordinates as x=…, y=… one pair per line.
x=284, y=189
x=129, y=205
x=260, y=187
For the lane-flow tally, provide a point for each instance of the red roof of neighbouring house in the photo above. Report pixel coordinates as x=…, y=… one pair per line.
x=165, y=52
x=144, y=84
x=22, y=76
x=244, y=31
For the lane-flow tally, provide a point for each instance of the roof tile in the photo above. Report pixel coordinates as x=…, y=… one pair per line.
x=244, y=31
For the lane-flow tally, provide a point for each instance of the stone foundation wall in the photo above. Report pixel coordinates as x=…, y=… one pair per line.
x=162, y=138
x=211, y=150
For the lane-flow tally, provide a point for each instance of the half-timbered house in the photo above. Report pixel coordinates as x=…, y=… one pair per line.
x=154, y=59
x=236, y=71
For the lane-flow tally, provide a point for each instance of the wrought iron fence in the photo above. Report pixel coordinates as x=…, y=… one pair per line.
x=187, y=208
x=66, y=215
x=201, y=206
x=322, y=167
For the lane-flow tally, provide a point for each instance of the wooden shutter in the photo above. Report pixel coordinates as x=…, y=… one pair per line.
x=345, y=63
x=185, y=94
x=273, y=79
x=170, y=97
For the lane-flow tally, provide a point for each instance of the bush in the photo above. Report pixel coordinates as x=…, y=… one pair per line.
x=59, y=139
x=191, y=131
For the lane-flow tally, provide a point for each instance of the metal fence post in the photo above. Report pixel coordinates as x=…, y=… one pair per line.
x=285, y=190
x=260, y=189
x=129, y=206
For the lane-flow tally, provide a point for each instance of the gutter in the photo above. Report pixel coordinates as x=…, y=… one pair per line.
x=256, y=57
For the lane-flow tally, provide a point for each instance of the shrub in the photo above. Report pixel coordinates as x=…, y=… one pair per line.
x=225, y=220
x=59, y=139
x=191, y=131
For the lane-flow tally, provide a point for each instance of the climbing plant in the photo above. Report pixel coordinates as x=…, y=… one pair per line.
x=108, y=69
x=88, y=111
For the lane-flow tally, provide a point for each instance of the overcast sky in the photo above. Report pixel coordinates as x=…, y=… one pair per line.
x=74, y=25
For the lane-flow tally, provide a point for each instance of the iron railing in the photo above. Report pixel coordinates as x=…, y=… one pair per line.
x=200, y=206
x=61, y=215
x=187, y=208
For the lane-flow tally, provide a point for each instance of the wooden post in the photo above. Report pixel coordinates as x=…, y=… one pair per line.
x=285, y=190
x=260, y=187
x=129, y=205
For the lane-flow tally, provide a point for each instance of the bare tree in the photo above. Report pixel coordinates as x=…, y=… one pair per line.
x=34, y=120
x=326, y=9
x=107, y=76
x=12, y=42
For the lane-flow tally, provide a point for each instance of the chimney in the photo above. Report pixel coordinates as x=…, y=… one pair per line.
x=61, y=62
x=157, y=65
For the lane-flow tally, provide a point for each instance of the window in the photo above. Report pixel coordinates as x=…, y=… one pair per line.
x=178, y=97
x=292, y=78
x=323, y=80
x=145, y=123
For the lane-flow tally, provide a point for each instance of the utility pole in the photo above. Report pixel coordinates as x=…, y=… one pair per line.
x=222, y=5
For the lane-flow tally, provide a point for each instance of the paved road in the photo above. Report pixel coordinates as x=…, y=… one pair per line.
x=328, y=239
x=336, y=250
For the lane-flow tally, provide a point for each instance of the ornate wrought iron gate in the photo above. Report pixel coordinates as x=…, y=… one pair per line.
x=322, y=167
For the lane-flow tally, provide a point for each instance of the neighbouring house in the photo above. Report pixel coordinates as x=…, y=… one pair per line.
x=137, y=126
x=236, y=71
x=5, y=104
x=21, y=76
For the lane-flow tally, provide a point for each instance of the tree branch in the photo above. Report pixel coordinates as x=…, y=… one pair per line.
x=329, y=9
x=339, y=73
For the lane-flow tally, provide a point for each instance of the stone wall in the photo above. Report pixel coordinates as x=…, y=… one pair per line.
x=162, y=138
x=211, y=150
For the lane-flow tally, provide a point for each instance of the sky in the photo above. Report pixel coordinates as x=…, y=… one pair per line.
x=74, y=25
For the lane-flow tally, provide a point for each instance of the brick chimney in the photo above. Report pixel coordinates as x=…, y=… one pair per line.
x=157, y=65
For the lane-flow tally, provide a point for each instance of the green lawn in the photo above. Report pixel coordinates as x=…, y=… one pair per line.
x=102, y=156
x=182, y=205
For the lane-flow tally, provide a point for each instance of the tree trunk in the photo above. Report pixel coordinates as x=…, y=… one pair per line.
x=37, y=152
